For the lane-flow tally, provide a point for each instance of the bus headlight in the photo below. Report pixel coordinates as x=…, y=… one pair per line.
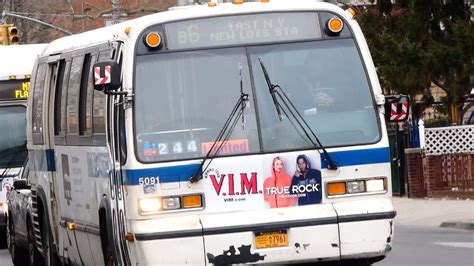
x=359, y=186
x=171, y=203
x=356, y=186
x=154, y=205
x=149, y=205
x=375, y=185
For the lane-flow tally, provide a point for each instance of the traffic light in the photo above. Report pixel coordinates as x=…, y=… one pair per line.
x=13, y=34
x=3, y=35
x=8, y=34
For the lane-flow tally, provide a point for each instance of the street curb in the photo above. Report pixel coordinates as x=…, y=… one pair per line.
x=458, y=225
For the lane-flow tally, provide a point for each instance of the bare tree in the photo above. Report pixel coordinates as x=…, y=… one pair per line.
x=73, y=16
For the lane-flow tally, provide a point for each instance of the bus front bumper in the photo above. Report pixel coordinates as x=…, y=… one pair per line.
x=350, y=230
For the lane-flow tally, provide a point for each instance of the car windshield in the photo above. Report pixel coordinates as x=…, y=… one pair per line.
x=184, y=98
x=13, y=137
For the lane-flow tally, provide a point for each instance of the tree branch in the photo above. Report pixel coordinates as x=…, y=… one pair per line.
x=441, y=86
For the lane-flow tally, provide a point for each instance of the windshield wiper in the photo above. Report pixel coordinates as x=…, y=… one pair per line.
x=226, y=131
x=277, y=93
x=271, y=89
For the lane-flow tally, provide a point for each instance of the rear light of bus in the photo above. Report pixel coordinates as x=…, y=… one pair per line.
x=153, y=205
x=359, y=186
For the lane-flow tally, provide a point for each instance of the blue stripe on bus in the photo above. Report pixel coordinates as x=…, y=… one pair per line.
x=50, y=160
x=43, y=160
x=165, y=174
x=356, y=157
x=184, y=172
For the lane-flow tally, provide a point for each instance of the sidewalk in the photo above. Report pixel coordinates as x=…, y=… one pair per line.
x=435, y=212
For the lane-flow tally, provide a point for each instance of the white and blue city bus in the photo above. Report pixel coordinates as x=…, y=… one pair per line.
x=16, y=65
x=214, y=134
x=15, y=72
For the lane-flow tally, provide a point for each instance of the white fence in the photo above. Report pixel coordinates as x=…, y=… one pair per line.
x=447, y=140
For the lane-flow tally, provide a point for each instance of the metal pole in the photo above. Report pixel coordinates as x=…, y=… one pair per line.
x=5, y=13
x=114, y=12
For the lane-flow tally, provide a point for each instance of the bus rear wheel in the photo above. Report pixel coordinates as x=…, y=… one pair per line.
x=50, y=257
x=106, y=239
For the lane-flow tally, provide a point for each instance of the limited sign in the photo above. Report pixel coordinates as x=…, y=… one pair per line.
x=246, y=29
x=14, y=89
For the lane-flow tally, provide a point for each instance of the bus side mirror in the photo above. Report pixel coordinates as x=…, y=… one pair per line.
x=396, y=108
x=106, y=76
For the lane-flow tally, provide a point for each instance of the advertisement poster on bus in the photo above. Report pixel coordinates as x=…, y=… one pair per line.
x=274, y=181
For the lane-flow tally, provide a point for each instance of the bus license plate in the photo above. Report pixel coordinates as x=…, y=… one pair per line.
x=271, y=239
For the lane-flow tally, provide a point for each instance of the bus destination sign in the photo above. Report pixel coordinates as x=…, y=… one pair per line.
x=14, y=89
x=245, y=29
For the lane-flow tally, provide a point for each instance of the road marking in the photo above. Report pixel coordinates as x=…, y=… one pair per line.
x=456, y=244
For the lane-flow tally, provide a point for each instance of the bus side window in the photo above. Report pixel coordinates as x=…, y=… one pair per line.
x=64, y=92
x=37, y=113
x=58, y=98
x=98, y=112
x=72, y=108
x=85, y=99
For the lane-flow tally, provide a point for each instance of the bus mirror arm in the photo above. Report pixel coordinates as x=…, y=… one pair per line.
x=108, y=92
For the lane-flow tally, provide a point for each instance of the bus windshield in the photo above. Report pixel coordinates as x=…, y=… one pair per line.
x=183, y=99
x=13, y=137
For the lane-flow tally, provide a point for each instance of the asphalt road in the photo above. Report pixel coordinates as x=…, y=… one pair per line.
x=413, y=245
x=433, y=246
x=5, y=259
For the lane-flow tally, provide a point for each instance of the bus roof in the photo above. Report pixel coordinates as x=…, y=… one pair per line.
x=18, y=60
x=105, y=34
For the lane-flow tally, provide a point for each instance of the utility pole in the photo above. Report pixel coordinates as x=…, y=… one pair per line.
x=115, y=14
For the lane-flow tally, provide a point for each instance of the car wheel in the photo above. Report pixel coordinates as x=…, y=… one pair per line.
x=8, y=236
x=3, y=238
x=19, y=256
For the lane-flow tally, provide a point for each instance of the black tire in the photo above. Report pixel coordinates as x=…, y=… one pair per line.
x=8, y=235
x=3, y=238
x=49, y=256
x=357, y=262
x=46, y=242
x=109, y=257
x=106, y=240
x=35, y=258
x=19, y=254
